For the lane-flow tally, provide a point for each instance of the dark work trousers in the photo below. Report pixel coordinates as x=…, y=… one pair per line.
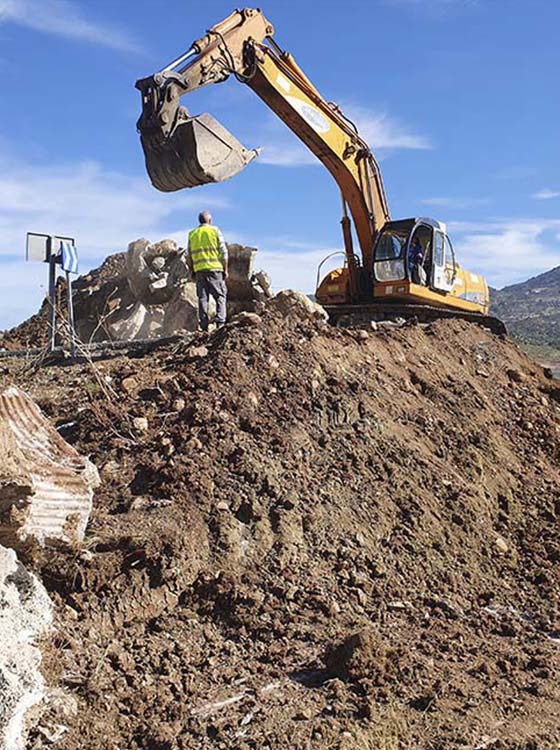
x=211, y=283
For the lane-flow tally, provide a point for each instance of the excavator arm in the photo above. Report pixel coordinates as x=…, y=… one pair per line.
x=184, y=151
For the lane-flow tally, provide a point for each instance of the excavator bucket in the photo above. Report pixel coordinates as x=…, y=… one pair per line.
x=200, y=150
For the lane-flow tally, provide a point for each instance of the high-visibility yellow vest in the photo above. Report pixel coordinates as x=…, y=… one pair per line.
x=204, y=244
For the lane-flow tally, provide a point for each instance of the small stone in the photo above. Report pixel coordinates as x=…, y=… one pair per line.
x=501, y=545
x=111, y=468
x=315, y=386
x=140, y=424
x=198, y=352
x=360, y=538
x=362, y=597
x=272, y=362
x=482, y=373
x=139, y=503
x=247, y=319
x=334, y=607
x=179, y=404
x=130, y=385
x=373, y=325
x=252, y=398
x=303, y=715
x=515, y=375
x=71, y=612
x=222, y=505
x=363, y=335
x=167, y=446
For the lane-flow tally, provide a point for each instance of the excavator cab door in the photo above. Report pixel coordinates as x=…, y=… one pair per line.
x=443, y=276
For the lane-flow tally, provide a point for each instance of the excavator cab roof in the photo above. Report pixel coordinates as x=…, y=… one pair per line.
x=408, y=225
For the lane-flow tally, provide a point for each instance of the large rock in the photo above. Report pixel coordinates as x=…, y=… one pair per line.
x=181, y=314
x=296, y=306
x=25, y=618
x=155, y=270
x=138, y=321
x=46, y=487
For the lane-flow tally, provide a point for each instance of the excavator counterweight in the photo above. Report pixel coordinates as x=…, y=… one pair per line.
x=200, y=150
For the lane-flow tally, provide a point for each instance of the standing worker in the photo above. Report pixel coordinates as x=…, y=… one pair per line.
x=208, y=261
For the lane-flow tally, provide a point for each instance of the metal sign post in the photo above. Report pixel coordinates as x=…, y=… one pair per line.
x=55, y=251
x=71, y=315
x=52, y=293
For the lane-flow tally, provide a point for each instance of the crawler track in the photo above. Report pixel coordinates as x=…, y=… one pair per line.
x=356, y=315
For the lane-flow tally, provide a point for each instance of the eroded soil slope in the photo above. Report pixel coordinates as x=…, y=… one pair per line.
x=319, y=539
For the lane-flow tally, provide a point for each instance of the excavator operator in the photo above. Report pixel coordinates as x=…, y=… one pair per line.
x=208, y=262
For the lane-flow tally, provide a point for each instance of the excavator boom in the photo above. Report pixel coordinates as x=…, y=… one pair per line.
x=185, y=151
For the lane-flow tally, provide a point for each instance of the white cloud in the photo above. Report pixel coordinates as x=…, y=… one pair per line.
x=506, y=251
x=64, y=18
x=103, y=210
x=444, y=202
x=382, y=132
x=545, y=194
x=286, y=153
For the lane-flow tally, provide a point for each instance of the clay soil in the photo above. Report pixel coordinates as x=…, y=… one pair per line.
x=320, y=539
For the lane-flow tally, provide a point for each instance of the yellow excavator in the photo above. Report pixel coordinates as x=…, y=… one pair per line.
x=405, y=268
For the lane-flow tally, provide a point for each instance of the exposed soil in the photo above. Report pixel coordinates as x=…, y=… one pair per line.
x=323, y=539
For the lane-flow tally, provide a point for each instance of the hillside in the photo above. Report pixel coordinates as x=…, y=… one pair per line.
x=319, y=538
x=531, y=310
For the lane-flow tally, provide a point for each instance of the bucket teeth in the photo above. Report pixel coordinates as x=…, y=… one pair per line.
x=199, y=151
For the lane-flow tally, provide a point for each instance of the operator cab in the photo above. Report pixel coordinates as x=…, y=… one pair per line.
x=417, y=251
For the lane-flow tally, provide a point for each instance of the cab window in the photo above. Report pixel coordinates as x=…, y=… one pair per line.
x=449, y=261
x=439, y=249
x=389, y=261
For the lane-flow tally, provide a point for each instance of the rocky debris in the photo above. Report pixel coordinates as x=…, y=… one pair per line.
x=145, y=293
x=46, y=487
x=315, y=493
x=25, y=620
x=296, y=306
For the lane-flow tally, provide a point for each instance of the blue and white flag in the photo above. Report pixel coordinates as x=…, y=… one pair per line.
x=69, y=260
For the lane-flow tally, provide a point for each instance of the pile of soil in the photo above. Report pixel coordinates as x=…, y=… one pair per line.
x=309, y=537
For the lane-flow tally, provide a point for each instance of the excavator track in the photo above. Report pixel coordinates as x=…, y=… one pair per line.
x=348, y=316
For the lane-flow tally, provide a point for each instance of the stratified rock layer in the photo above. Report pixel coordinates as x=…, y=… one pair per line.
x=46, y=487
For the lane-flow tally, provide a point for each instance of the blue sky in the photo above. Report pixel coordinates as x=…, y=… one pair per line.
x=458, y=98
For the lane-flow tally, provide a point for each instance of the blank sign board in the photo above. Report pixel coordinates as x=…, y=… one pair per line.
x=38, y=246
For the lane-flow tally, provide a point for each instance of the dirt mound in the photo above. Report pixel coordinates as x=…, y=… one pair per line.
x=308, y=537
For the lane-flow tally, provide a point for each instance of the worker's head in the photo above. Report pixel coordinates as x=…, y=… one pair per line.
x=205, y=217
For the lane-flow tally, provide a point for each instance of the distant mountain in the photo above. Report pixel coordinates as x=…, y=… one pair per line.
x=531, y=310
